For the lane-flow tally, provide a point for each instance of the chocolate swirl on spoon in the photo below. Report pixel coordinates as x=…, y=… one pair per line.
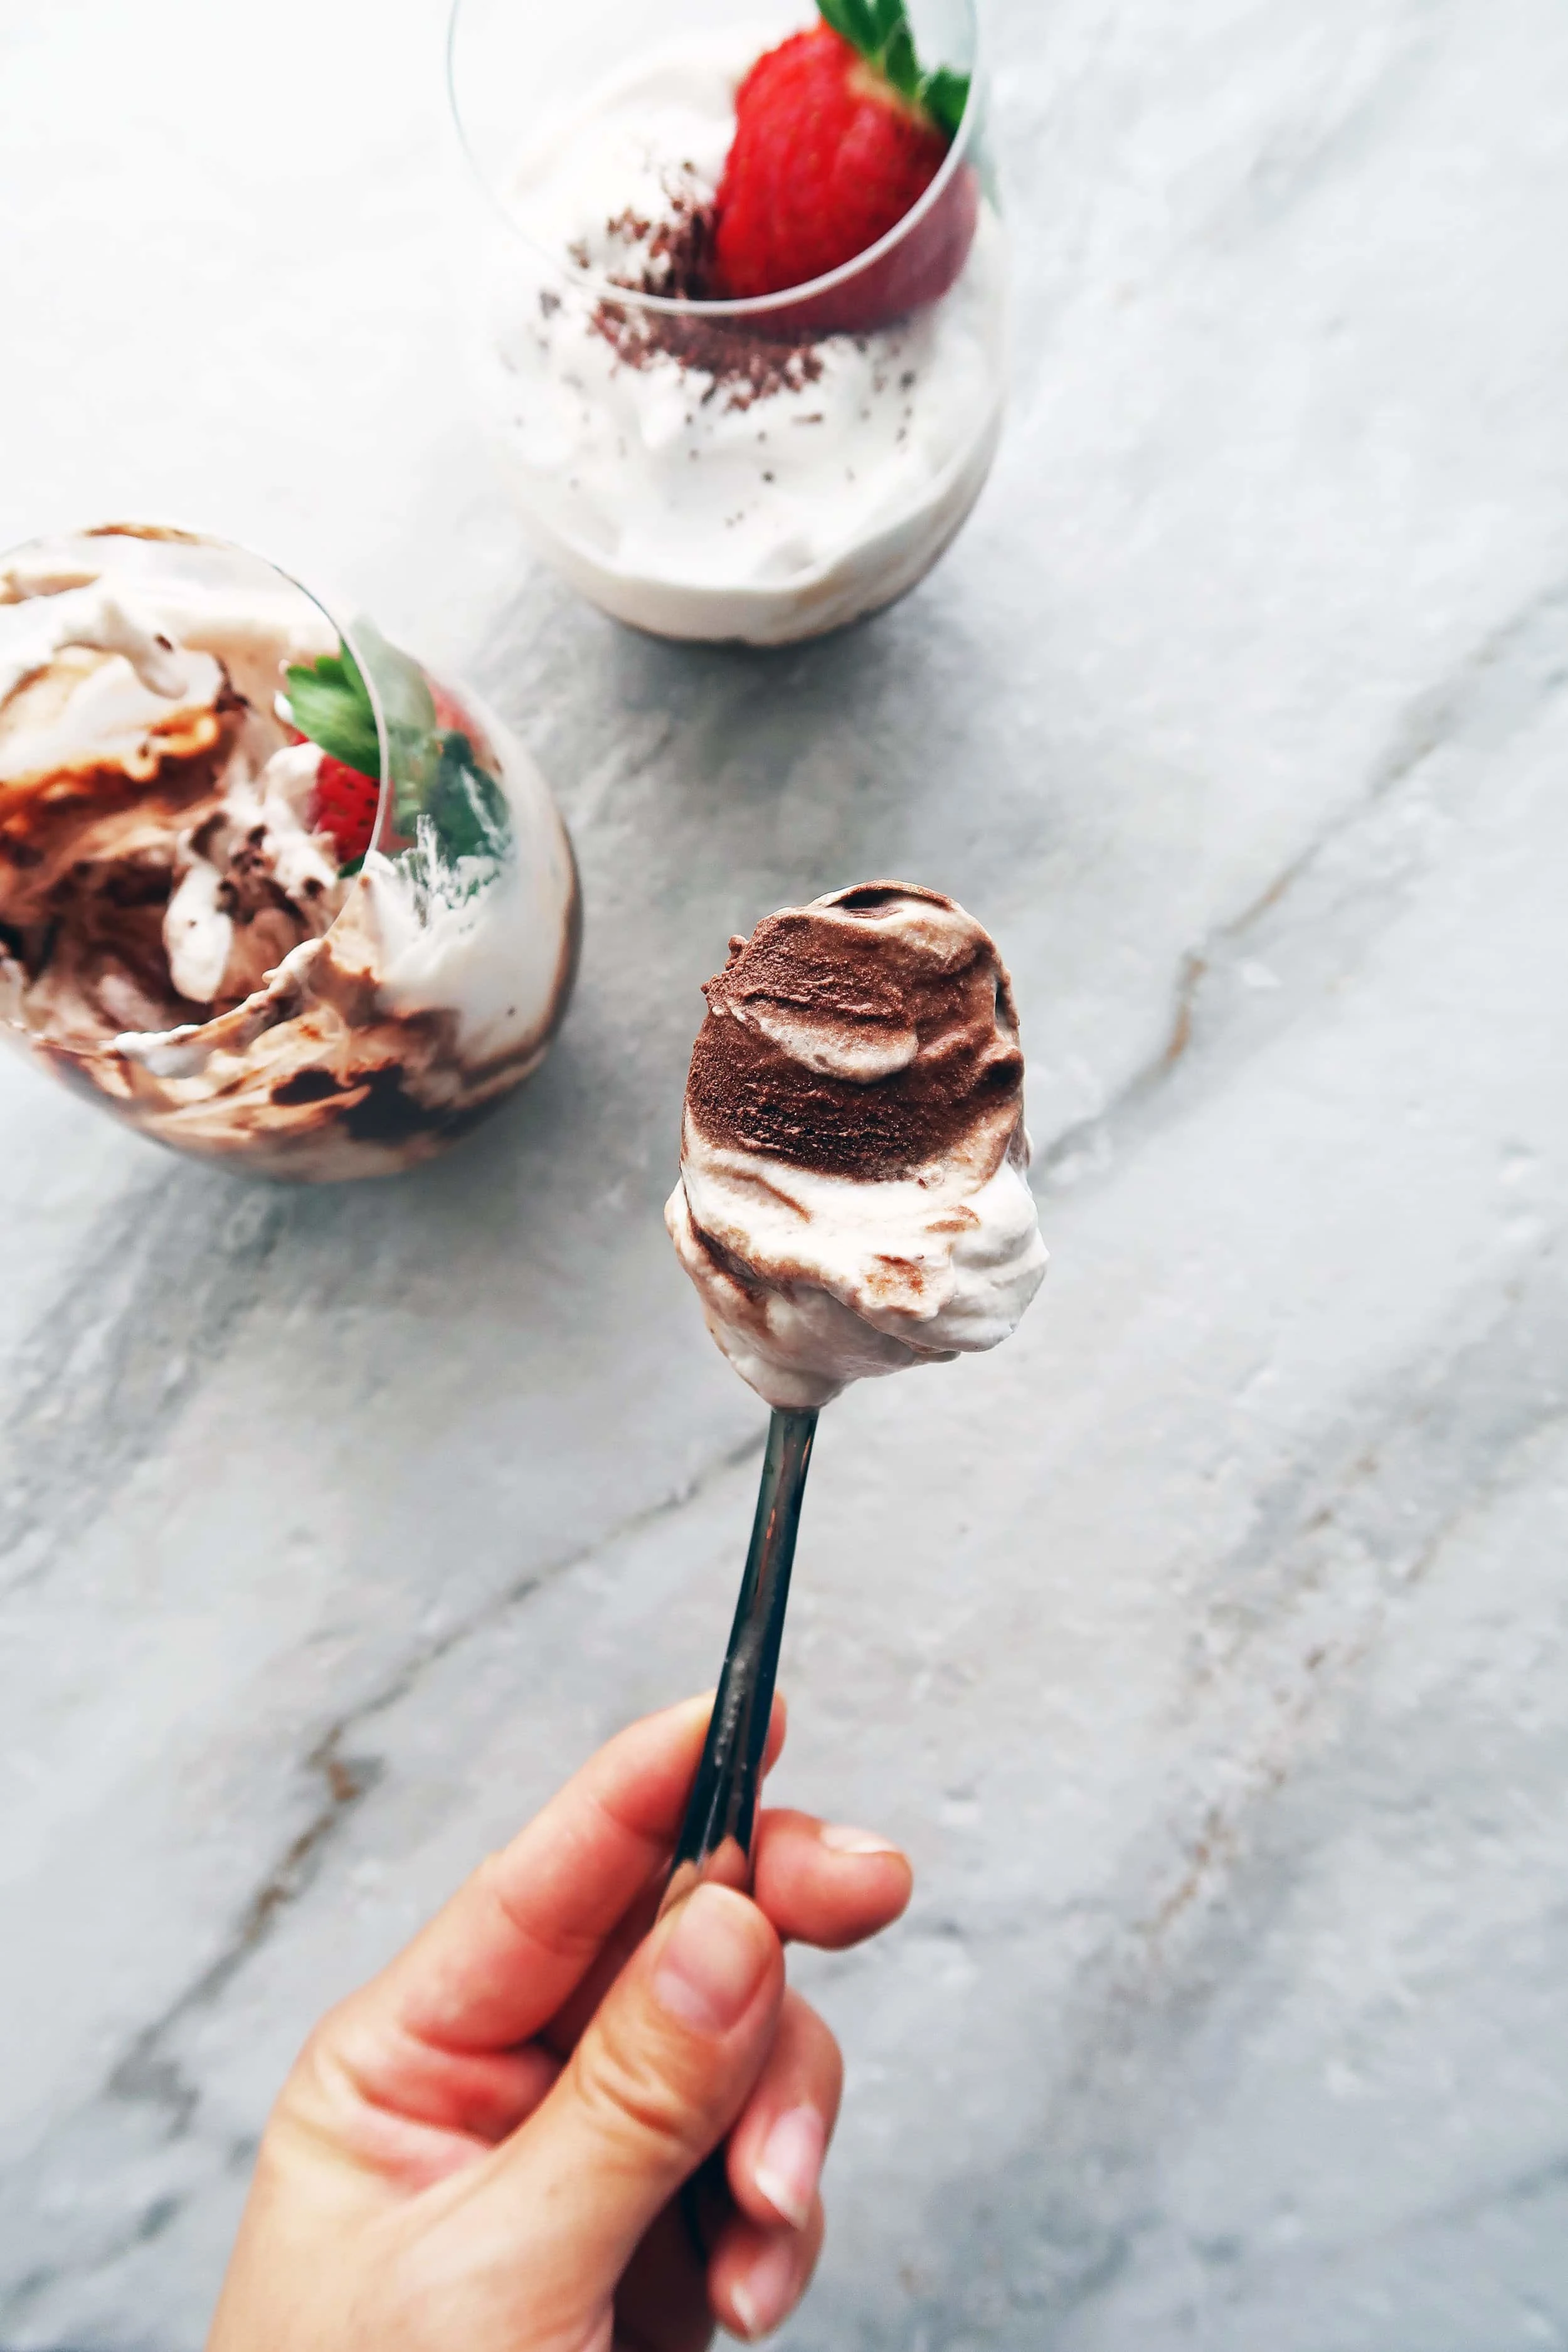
x=852, y=1196
x=867, y=1036
x=852, y=1199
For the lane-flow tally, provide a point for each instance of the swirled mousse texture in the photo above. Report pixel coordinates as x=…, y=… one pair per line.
x=852, y=1196
x=178, y=934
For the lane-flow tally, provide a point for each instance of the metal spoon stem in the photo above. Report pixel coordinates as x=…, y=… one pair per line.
x=716, y=1840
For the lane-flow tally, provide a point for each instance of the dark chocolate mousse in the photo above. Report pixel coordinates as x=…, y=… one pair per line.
x=868, y=1034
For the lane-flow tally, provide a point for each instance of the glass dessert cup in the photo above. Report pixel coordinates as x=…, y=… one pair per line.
x=268, y=892
x=760, y=470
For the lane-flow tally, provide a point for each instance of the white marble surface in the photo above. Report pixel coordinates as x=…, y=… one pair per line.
x=1209, y=1645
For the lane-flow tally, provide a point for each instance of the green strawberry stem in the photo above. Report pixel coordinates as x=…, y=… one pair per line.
x=437, y=774
x=881, y=30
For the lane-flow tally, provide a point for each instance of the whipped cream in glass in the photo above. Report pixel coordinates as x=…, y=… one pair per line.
x=183, y=933
x=701, y=469
x=853, y=1196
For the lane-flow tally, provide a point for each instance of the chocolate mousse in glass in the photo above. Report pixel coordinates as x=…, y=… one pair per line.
x=268, y=891
x=704, y=447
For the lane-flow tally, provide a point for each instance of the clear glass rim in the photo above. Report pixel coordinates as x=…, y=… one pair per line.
x=757, y=305
x=174, y=534
x=181, y=535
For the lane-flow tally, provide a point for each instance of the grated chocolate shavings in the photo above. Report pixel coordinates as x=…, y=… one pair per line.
x=674, y=257
x=741, y=363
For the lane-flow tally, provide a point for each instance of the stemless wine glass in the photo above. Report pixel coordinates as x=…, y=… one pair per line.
x=762, y=469
x=268, y=891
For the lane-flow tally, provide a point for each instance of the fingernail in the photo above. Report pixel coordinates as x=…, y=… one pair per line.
x=791, y=2163
x=763, y=2296
x=840, y=1839
x=713, y=1961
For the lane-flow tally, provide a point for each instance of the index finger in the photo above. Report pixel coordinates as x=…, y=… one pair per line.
x=514, y=1941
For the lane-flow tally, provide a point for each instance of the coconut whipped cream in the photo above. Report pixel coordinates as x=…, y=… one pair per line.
x=175, y=931
x=693, y=477
x=853, y=1197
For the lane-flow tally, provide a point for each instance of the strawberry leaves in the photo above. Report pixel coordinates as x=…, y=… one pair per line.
x=331, y=703
x=466, y=804
x=944, y=95
x=881, y=30
x=443, y=798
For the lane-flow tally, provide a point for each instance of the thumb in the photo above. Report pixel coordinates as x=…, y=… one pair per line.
x=663, y=2070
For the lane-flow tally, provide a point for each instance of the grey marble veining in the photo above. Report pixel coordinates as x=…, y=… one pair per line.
x=1206, y=1645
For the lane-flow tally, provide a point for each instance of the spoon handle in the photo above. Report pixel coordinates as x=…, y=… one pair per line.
x=715, y=1838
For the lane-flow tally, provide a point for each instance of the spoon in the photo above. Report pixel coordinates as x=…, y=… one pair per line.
x=722, y=1813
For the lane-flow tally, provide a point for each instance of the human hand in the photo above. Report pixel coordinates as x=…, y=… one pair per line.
x=487, y=2148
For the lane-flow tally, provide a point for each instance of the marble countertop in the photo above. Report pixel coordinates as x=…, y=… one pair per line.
x=1208, y=1645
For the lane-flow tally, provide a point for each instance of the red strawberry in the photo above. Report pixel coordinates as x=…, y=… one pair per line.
x=828, y=157
x=345, y=806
